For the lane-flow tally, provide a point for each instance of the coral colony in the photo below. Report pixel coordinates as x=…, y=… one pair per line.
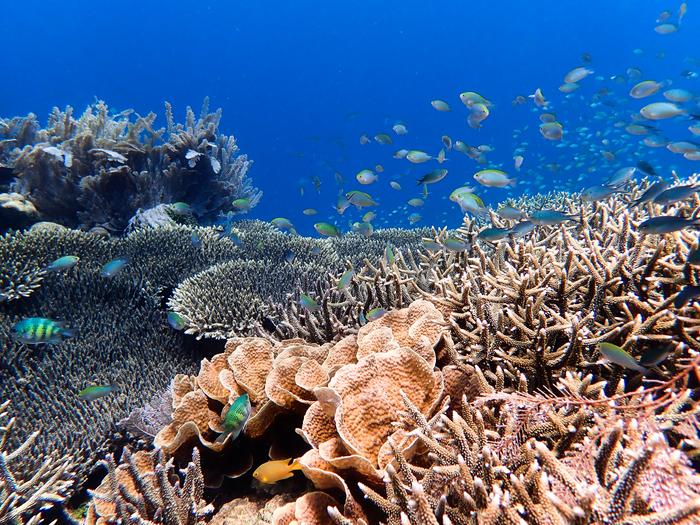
x=546, y=375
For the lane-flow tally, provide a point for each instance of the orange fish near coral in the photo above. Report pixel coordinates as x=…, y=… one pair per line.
x=273, y=471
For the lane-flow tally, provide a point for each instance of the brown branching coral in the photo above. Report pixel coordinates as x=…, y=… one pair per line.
x=490, y=465
x=24, y=496
x=145, y=488
x=100, y=168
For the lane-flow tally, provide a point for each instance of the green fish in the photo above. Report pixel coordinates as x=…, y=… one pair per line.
x=63, y=263
x=95, y=392
x=363, y=228
x=389, y=256
x=308, y=303
x=323, y=228
x=455, y=245
x=431, y=245
x=241, y=204
x=181, y=208
x=375, y=314
x=283, y=224
x=617, y=355
x=345, y=279
x=176, y=320
x=360, y=199
x=235, y=419
x=38, y=330
x=113, y=267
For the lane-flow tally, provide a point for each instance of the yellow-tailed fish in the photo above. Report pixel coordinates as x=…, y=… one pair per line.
x=274, y=471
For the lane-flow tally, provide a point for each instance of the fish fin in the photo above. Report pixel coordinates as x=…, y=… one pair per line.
x=222, y=438
x=288, y=475
x=68, y=333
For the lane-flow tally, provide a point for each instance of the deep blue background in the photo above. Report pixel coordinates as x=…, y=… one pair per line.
x=288, y=74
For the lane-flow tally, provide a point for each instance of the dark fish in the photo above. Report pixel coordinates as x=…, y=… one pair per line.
x=521, y=229
x=687, y=294
x=654, y=356
x=645, y=167
x=676, y=194
x=652, y=192
x=551, y=217
x=493, y=234
x=666, y=224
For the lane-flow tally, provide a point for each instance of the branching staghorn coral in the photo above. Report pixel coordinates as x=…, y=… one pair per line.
x=100, y=168
x=517, y=464
x=24, y=496
x=145, y=488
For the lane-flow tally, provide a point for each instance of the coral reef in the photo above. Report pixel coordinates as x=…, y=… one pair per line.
x=24, y=497
x=99, y=169
x=146, y=488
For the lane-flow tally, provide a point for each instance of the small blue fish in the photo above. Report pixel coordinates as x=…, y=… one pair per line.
x=176, y=321
x=94, y=392
x=666, y=224
x=195, y=239
x=551, y=217
x=63, y=263
x=651, y=193
x=676, y=194
x=289, y=256
x=38, y=330
x=235, y=418
x=493, y=234
x=521, y=229
x=113, y=267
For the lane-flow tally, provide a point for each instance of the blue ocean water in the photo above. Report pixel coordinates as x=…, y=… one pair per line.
x=300, y=82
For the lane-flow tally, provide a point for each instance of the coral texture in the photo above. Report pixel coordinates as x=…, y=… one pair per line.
x=100, y=168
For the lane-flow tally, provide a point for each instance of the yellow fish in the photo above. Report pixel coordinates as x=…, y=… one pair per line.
x=273, y=471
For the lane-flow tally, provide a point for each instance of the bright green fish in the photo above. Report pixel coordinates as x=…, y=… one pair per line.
x=617, y=355
x=308, y=303
x=63, y=263
x=235, y=419
x=241, y=204
x=283, y=224
x=176, y=320
x=324, y=228
x=95, y=392
x=389, y=256
x=375, y=314
x=38, y=330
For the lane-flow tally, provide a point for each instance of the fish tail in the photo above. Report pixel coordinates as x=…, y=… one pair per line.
x=295, y=465
x=221, y=438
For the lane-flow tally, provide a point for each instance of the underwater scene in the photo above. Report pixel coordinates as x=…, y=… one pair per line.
x=350, y=263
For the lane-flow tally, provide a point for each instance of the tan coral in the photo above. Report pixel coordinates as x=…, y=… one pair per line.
x=190, y=418
x=310, y=509
x=418, y=327
x=251, y=362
